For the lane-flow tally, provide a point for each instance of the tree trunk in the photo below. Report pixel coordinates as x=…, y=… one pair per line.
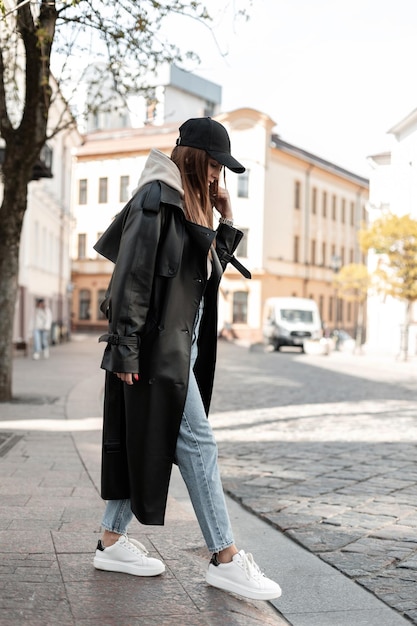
x=11, y=212
x=359, y=327
x=22, y=147
x=405, y=331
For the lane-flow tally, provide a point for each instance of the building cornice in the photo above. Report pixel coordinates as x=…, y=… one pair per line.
x=405, y=126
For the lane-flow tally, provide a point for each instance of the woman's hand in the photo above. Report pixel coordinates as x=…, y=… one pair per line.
x=127, y=378
x=220, y=199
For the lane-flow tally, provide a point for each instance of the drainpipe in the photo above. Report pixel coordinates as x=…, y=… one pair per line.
x=307, y=232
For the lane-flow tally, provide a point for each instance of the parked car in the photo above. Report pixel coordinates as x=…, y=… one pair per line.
x=291, y=322
x=343, y=342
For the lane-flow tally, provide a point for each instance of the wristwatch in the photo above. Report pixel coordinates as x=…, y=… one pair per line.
x=225, y=220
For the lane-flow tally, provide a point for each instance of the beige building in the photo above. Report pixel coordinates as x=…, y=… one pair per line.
x=300, y=215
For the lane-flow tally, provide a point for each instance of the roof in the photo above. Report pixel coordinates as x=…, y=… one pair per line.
x=313, y=159
x=128, y=140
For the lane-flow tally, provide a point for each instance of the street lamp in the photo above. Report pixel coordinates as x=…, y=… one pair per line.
x=336, y=264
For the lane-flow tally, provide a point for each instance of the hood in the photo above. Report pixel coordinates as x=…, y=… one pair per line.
x=159, y=166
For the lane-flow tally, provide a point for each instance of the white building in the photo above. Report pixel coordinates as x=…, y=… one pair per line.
x=44, y=263
x=393, y=187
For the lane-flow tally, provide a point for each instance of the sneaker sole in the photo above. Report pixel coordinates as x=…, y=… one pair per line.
x=126, y=568
x=252, y=594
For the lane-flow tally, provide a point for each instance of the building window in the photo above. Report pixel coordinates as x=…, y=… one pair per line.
x=343, y=211
x=84, y=304
x=314, y=201
x=82, y=191
x=243, y=185
x=99, y=234
x=323, y=254
x=240, y=307
x=324, y=204
x=297, y=195
x=321, y=306
x=151, y=104
x=100, y=297
x=209, y=109
x=342, y=254
x=313, y=252
x=82, y=246
x=349, y=311
x=296, y=249
x=242, y=249
x=352, y=214
x=124, y=189
x=334, y=207
x=351, y=256
x=330, y=316
x=333, y=251
x=102, y=190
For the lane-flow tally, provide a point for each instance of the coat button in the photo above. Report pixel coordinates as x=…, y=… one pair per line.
x=151, y=381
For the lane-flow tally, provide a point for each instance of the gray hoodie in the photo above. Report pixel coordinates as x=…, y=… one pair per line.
x=159, y=166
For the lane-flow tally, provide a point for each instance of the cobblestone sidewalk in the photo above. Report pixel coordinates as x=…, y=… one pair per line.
x=339, y=477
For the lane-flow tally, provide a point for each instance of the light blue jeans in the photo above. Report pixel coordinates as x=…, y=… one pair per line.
x=40, y=340
x=196, y=455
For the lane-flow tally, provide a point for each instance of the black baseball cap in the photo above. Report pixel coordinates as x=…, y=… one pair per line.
x=207, y=134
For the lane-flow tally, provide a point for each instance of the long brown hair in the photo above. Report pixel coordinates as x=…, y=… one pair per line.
x=193, y=165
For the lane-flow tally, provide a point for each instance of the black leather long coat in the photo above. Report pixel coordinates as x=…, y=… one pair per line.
x=159, y=278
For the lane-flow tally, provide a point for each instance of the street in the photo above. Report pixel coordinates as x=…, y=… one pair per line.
x=324, y=448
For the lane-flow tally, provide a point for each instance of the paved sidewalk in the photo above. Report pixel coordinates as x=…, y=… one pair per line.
x=50, y=515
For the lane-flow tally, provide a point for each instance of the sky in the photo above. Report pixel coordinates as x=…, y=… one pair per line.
x=334, y=75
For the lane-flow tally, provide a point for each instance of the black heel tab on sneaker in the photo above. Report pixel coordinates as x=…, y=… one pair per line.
x=100, y=546
x=214, y=560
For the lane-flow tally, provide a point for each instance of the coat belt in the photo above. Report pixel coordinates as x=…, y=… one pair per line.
x=120, y=340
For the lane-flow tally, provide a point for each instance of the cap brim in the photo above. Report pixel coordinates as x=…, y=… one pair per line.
x=228, y=161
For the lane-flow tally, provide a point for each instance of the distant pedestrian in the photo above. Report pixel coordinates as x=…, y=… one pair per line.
x=41, y=329
x=160, y=357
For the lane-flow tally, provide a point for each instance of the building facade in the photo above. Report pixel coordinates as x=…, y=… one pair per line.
x=300, y=215
x=44, y=257
x=393, y=188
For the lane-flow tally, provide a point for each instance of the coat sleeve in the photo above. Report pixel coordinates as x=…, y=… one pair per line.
x=131, y=286
x=227, y=240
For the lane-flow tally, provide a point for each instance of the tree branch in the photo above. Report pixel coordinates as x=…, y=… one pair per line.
x=6, y=128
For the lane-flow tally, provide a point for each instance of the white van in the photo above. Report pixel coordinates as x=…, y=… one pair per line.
x=291, y=322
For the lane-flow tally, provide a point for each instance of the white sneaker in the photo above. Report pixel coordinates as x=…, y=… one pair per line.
x=36, y=356
x=242, y=576
x=127, y=556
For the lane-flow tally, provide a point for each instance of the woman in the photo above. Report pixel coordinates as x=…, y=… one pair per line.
x=41, y=329
x=160, y=356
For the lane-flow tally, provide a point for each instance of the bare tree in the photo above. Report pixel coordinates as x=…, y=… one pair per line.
x=125, y=36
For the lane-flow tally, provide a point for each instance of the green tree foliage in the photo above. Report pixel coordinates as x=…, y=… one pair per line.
x=352, y=284
x=124, y=36
x=393, y=239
